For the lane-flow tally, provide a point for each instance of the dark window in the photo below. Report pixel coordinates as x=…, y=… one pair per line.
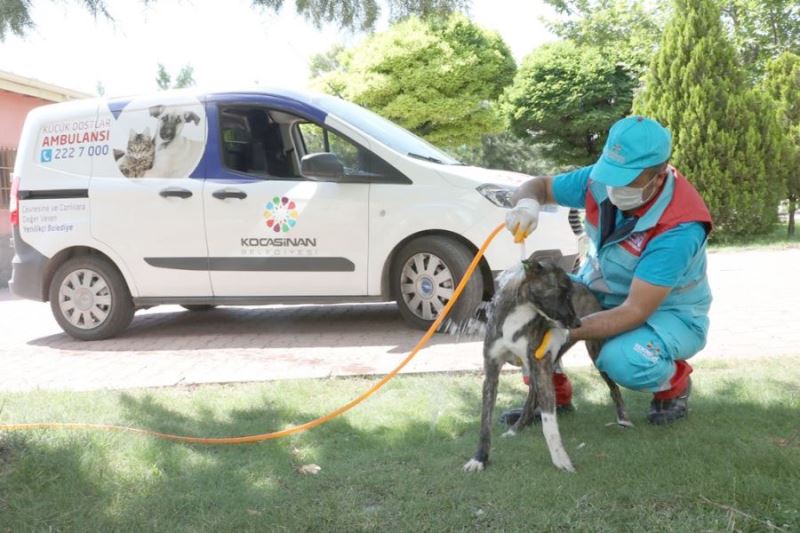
x=358, y=161
x=254, y=143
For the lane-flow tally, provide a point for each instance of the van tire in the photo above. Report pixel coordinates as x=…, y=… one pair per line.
x=198, y=308
x=435, y=253
x=118, y=313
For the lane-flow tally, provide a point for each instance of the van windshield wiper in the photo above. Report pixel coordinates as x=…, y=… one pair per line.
x=425, y=158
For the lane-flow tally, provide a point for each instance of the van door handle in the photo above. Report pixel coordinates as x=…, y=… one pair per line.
x=175, y=191
x=229, y=193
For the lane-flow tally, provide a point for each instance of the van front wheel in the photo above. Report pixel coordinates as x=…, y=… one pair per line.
x=424, y=275
x=90, y=299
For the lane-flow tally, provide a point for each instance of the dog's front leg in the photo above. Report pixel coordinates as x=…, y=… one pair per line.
x=492, y=376
x=546, y=398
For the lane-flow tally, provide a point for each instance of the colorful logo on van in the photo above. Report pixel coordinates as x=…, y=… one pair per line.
x=281, y=214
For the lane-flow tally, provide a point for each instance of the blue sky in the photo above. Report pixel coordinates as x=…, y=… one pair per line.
x=229, y=43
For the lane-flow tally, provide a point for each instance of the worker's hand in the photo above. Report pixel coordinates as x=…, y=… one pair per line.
x=552, y=342
x=523, y=219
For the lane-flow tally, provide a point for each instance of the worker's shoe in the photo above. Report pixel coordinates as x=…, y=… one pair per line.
x=671, y=409
x=510, y=417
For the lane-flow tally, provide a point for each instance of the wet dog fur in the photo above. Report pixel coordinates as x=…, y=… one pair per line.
x=539, y=298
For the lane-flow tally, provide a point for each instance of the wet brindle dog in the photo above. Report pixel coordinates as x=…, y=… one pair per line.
x=537, y=298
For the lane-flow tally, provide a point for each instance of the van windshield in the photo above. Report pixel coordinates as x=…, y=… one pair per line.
x=385, y=131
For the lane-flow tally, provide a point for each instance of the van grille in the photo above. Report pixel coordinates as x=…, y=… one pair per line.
x=576, y=221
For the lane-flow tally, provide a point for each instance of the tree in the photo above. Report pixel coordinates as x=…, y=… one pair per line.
x=565, y=97
x=629, y=30
x=782, y=83
x=439, y=79
x=725, y=135
x=506, y=151
x=363, y=14
x=185, y=78
x=15, y=17
x=762, y=30
x=325, y=63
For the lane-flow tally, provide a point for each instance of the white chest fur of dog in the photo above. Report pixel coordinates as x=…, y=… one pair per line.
x=505, y=346
x=507, y=350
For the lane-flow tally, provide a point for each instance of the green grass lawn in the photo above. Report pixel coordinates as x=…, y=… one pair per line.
x=394, y=463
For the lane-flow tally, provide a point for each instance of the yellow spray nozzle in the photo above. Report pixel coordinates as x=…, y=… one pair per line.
x=519, y=235
x=542, y=349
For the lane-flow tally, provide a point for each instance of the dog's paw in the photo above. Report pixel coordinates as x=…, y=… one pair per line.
x=561, y=460
x=565, y=465
x=621, y=424
x=509, y=433
x=473, y=465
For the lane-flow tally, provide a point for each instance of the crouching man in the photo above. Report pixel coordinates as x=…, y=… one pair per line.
x=648, y=229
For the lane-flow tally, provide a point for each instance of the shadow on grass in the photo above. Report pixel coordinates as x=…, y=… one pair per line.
x=391, y=466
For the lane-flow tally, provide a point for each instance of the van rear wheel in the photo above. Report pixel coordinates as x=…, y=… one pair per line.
x=90, y=299
x=424, y=275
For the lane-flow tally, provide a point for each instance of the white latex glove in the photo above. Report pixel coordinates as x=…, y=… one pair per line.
x=523, y=219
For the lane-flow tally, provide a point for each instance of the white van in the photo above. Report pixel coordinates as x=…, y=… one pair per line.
x=247, y=198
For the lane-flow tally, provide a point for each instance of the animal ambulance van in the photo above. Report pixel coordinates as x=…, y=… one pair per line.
x=248, y=198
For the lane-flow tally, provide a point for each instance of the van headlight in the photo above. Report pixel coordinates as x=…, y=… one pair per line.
x=499, y=195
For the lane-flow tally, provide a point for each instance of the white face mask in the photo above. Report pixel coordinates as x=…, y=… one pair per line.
x=627, y=198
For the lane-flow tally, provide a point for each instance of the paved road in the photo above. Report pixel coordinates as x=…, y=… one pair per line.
x=755, y=313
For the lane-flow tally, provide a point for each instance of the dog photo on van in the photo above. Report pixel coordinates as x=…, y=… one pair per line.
x=173, y=149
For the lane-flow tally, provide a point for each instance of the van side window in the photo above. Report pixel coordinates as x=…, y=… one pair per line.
x=357, y=161
x=253, y=142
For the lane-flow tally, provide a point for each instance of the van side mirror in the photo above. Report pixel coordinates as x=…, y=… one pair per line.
x=322, y=166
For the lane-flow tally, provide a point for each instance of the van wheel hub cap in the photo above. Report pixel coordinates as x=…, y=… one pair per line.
x=84, y=299
x=426, y=285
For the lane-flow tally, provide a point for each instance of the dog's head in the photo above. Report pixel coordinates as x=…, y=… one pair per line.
x=550, y=289
x=171, y=123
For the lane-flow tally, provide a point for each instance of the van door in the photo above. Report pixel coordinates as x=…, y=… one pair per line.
x=146, y=194
x=270, y=230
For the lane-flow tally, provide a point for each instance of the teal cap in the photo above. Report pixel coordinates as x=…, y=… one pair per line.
x=634, y=144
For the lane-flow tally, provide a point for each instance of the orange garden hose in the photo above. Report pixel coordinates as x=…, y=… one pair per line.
x=246, y=439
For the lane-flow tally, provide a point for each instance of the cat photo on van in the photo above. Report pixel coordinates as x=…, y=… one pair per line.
x=159, y=141
x=139, y=155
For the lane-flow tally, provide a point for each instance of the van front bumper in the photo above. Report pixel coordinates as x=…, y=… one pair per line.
x=27, y=270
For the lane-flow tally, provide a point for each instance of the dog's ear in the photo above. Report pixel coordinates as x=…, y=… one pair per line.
x=191, y=116
x=118, y=154
x=156, y=110
x=531, y=266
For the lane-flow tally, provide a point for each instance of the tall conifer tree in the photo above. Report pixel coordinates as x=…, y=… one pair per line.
x=783, y=85
x=725, y=135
